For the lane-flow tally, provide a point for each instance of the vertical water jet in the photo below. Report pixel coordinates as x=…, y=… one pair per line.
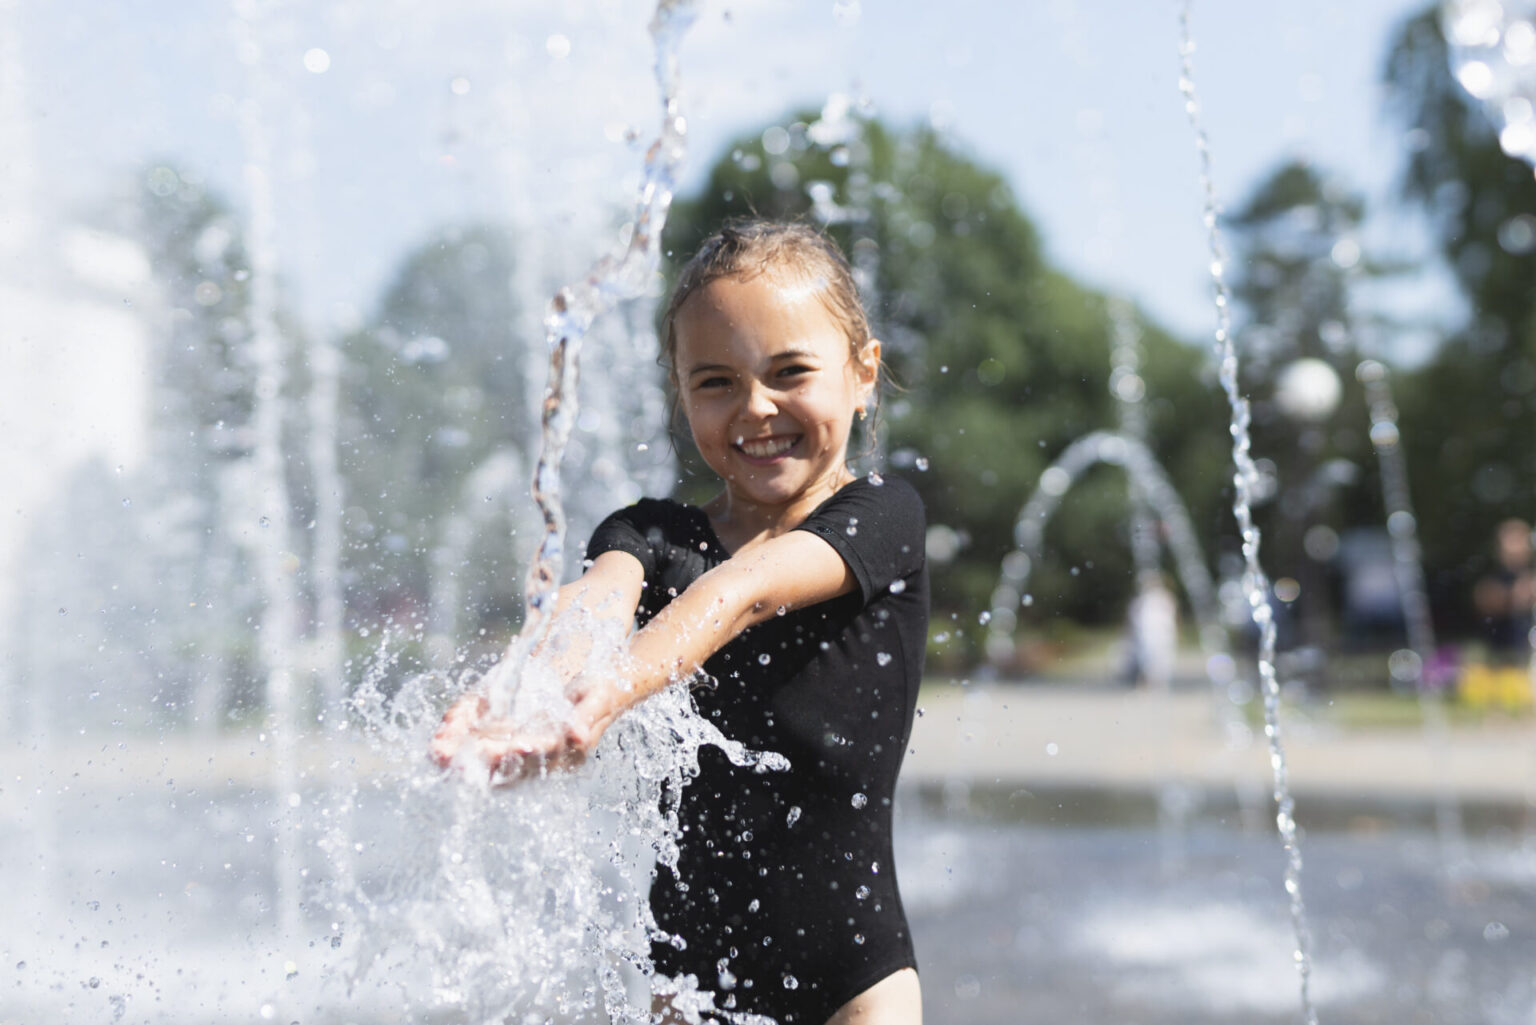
x=1245, y=479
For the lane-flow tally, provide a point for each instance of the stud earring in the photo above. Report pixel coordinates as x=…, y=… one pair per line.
x=863, y=412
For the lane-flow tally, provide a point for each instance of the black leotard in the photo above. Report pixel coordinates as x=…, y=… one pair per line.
x=785, y=894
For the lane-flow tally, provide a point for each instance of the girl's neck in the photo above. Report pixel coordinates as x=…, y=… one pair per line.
x=740, y=523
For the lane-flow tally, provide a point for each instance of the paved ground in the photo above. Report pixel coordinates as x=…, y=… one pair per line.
x=1083, y=734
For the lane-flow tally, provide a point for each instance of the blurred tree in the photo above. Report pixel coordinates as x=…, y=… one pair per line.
x=1296, y=256
x=435, y=388
x=1001, y=360
x=1470, y=411
x=201, y=405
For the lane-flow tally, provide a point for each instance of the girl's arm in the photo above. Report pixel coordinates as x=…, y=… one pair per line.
x=791, y=571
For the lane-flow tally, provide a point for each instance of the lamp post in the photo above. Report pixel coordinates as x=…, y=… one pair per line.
x=1307, y=392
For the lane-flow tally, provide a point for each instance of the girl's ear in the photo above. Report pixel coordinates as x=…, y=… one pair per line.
x=868, y=363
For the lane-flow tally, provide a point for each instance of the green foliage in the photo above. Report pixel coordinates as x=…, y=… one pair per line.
x=1470, y=412
x=1297, y=263
x=435, y=387
x=1002, y=361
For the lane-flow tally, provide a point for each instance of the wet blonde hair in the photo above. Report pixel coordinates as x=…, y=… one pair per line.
x=795, y=251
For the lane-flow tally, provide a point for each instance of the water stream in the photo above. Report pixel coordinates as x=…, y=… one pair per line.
x=1255, y=580
x=1402, y=527
x=1148, y=484
x=267, y=529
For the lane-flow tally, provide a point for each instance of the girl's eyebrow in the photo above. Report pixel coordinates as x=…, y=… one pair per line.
x=776, y=357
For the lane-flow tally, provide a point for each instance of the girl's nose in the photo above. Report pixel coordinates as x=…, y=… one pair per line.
x=760, y=402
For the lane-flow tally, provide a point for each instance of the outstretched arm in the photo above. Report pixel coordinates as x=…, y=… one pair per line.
x=791, y=571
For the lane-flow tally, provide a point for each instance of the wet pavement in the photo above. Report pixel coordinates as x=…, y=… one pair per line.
x=1067, y=852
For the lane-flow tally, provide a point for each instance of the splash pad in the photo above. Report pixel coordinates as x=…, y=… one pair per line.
x=200, y=934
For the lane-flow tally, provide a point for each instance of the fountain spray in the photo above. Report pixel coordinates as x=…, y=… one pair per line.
x=1244, y=480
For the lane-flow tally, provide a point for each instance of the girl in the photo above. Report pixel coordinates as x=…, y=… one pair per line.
x=803, y=591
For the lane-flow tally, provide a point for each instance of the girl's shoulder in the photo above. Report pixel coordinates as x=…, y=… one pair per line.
x=885, y=495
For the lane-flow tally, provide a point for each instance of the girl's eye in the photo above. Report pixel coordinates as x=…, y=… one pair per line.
x=713, y=382
x=794, y=370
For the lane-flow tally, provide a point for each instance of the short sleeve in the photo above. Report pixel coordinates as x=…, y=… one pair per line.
x=636, y=530
x=878, y=529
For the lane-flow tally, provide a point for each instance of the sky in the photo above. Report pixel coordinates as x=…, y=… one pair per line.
x=1075, y=102
x=388, y=119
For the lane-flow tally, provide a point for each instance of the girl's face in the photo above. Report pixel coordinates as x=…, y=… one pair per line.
x=770, y=387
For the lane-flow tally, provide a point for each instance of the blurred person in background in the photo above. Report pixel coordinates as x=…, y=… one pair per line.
x=1504, y=597
x=1152, y=633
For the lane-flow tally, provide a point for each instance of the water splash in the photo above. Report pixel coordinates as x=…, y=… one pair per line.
x=1492, y=48
x=1245, y=480
x=532, y=898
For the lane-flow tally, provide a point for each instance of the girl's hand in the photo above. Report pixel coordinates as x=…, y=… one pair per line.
x=459, y=723
x=511, y=751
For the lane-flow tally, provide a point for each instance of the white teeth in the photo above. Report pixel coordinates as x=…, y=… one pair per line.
x=767, y=448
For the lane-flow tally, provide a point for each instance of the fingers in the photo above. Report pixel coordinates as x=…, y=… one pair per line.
x=463, y=717
x=512, y=758
x=510, y=752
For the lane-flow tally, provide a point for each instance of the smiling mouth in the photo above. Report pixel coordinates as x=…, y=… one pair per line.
x=767, y=448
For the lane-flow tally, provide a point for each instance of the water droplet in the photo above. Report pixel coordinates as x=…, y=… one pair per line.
x=127, y=502
x=264, y=522
x=875, y=479
x=883, y=658
x=94, y=983
x=20, y=965
x=984, y=618
x=317, y=61
x=874, y=867
x=793, y=816
x=557, y=46
x=922, y=464
x=63, y=611
x=1493, y=932
x=862, y=893
x=858, y=800
x=780, y=610
x=1027, y=600
x=898, y=586
x=1051, y=749
x=790, y=982
x=764, y=659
